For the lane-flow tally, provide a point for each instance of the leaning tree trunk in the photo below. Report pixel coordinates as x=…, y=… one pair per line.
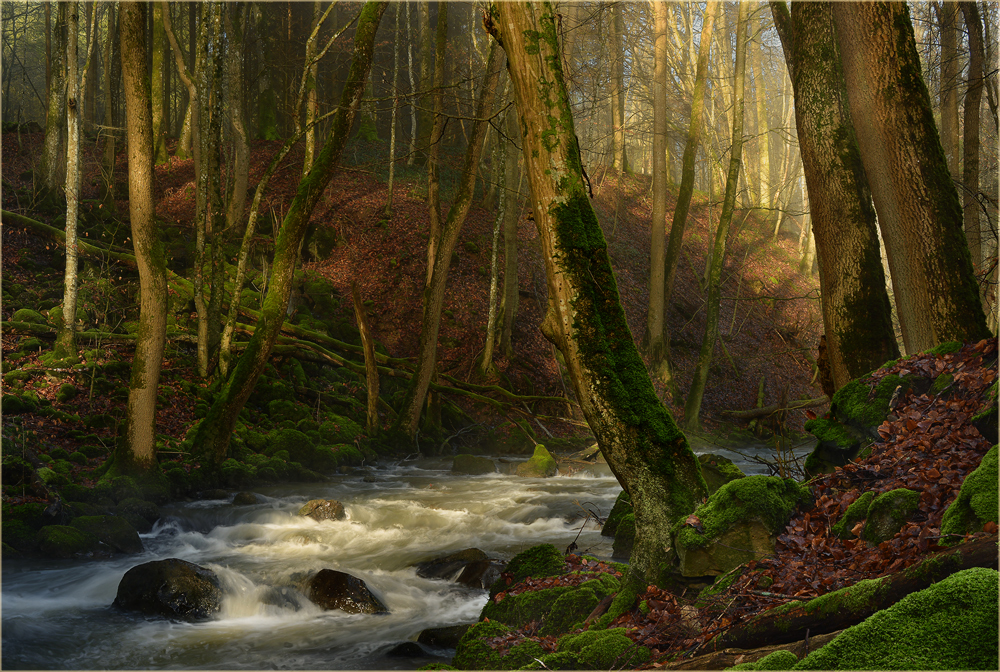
x=137, y=450
x=692, y=406
x=856, y=310
x=409, y=414
x=212, y=437
x=644, y=448
x=917, y=203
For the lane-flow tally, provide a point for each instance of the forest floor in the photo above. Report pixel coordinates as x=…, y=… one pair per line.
x=770, y=314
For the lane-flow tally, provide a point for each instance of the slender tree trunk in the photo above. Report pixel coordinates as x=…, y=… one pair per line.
x=212, y=437
x=692, y=406
x=947, y=15
x=499, y=161
x=635, y=432
x=656, y=338
x=53, y=162
x=108, y=153
x=311, y=104
x=511, y=196
x=619, y=159
x=918, y=209
x=411, y=157
x=395, y=114
x=158, y=70
x=425, y=117
x=137, y=450
x=371, y=366
x=409, y=415
x=856, y=310
x=434, y=151
x=970, y=162
x=236, y=21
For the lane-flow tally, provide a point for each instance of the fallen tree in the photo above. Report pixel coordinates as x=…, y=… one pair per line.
x=765, y=411
x=720, y=660
x=851, y=605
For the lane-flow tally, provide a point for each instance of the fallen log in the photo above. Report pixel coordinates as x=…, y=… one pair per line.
x=853, y=604
x=764, y=411
x=720, y=660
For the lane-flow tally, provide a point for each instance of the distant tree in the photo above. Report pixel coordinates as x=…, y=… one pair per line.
x=136, y=452
x=585, y=320
x=51, y=173
x=512, y=180
x=970, y=159
x=947, y=20
x=856, y=311
x=918, y=208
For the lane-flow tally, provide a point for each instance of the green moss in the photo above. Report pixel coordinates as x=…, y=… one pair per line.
x=604, y=649
x=522, y=654
x=856, y=512
x=856, y=404
x=523, y=608
x=945, y=348
x=624, y=537
x=63, y=541
x=887, y=514
x=779, y=660
x=561, y=660
x=941, y=383
x=339, y=429
x=541, y=464
x=473, y=465
x=720, y=585
x=976, y=502
x=951, y=625
x=621, y=508
x=537, y=561
x=29, y=316
x=569, y=611
x=831, y=431
x=474, y=654
x=769, y=499
x=114, y=531
x=718, y=470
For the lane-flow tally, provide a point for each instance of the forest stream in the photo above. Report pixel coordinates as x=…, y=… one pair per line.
x=58, y=614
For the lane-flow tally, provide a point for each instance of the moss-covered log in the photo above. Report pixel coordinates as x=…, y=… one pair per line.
x=643, y=446
x=721, y=660
x=851, y=605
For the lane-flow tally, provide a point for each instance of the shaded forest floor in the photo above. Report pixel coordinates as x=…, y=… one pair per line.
x=770, y=316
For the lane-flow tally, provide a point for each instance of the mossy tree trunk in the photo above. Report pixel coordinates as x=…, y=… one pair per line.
x=137, y=448
x=856, y=311
x=212, y=437
x=692, y=405
x=51, y=173
x=917, y=204
x=644, y=448
x=409, y=414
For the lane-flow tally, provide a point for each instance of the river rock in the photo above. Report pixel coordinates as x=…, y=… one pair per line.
x=245, y=499
x=173, y=588
x=444, y=638
x=114, y=531
x=541, y=465
x=331, y=589
x=472, y=465
x=323, y=509
x=471, y=568
x=63, y=541
x=406, y=650
x=718, y=470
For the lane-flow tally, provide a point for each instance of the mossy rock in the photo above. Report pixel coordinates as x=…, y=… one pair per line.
x=541, y=464
x=779, y=660
x=114, y=531
x=952, y=625
x=93, y=451
x=18, y=535
x=237, y=474
x=339, y=429
x=472, y=653
x=739, y=523
x=986, y=418
x=473, y=465
x=887, y=514
x=523, y=608
x=837, y=446
x=718, y=470
x=604, y=650
x=977, y=500
x=856, y=512
x=571, y=609
x=622, y=507
x=624, y=537
x=28, y=315
x=139, y=513
x=946, y=348
x=64, y=541
x=284, y=409
x=537, y=561
x=293, y=442
x=13, y=404
x=52, y=478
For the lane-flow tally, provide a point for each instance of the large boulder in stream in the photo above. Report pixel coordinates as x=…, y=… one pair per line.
x=323, y=509
x=541, y=464
x=173, y=588
x=471, y=568
x=114, y=531
x=473, y=465
x=331, y=589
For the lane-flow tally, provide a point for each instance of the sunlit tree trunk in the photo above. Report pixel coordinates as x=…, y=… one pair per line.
x=52, y=169
x=656, y=337
x=917, y=203
x=212, y=437
x=395, y=114
x=692, y=406
x=619, y=158
x=970, y=161
x=644, y=448
x=411, y=157
x=433, y=299
x=856, y=310
x=137, y=449
x=499, y=161
x=947, y=15
x=158, y=70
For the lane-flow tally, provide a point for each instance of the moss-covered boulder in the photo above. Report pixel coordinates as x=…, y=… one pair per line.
x=173, y=588
x=473, y=465
x=473, y=653
x=622, y=507
x=541, y=464
x=28, y=315
x=986, y=417
x=951, y=625
x=887, y=514
x=779, y=660
x=323, y=509
x=139, y=513
x=718, y=470
x=537, y=561
x=603, y=650
x=737, y=524
x=856, y=512
x=64, y=541
x=621, y=549
x=339, y=429
x=331, y=589
x=294, y=443
x=283, y=409
x=114, y=531
x=976, y=503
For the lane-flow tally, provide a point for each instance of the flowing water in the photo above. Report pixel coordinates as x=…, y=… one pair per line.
x=58, y=614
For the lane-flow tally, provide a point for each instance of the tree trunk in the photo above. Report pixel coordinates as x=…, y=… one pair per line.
x=65, y=346
x=947, y=15
x=411, y=157
x=52, y=169
x=970, y=161
x=409, y=415
x=499, y=162
x=434, y=150
x=512, y=194
x=212, y=437
x=656, y=338
x=644, y=448
x=395, y=114
x=236, y=21
x=856, y=311
x=158, y=70
x=137, y=450
x=425, y=118
x=619, y=159
x=108, y=153
x=371, y=366
x=918, y=209
x=692, y=406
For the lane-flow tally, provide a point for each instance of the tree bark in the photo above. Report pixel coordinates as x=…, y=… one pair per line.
x=499, y=162
x=212, y=437
x=512, y=196
x=236, y=21
x=395, y=114
x=52, y=169
x=644, y=448
x=619, y=158
x=947, y=15
x=434, y=150
x=425, y=118
x=856, y=310
x=918, y=209
x=371, y=366
x=844, y=608
x=692, y=406
x=159, y=128
x=970, y=159
x=433, y=299
x=137, y=450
